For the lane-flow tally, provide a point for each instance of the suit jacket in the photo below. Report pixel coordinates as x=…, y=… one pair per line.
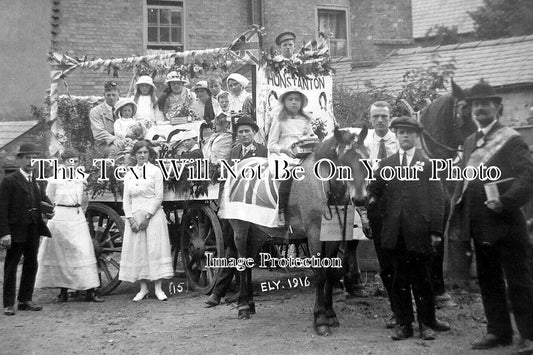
x=513, y=160
x=102, y=124
x=15, y=206
x=415, y=206
x=260, y=151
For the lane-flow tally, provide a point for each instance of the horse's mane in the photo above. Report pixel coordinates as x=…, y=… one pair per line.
x=437, y=118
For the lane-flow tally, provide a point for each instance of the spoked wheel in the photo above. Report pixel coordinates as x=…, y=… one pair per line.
x=200, y=234
x=107, y=229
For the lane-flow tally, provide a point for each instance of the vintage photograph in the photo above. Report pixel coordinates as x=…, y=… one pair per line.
x=266, y=177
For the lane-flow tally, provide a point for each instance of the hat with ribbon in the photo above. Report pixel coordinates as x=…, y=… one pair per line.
x=28, y=148
x=482, y=91
x=202, y=84
x=174, y=76
x=405, y=122
x=285, y=36
x=123, y=102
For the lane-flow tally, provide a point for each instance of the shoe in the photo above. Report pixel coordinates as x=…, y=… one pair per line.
x=233, y=299
x=140, y=296
x=426, y=333
x=9, y=311
x=524, y=347
x=440, y=326
x=63, y=296
x=92, y=297
x=490, y=341
x=161, y=295
x=212, y=301
x=391, y=323
x=402, y=332
x=28, y=306
x=444, y=301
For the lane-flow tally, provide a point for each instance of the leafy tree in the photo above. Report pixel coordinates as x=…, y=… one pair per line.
x=503, y=18
x=442, y=35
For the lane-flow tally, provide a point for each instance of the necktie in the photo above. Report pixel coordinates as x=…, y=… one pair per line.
x=404, y=159
x=113, y=112
x=382, y=153
x=479, y=135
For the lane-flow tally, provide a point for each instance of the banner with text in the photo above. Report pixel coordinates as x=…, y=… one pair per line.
x=269, y=87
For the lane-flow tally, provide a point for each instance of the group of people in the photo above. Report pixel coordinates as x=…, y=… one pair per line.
x=407, y=221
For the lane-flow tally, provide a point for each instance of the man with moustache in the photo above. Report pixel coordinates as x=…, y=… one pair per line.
x=21, y=225
x=246, y=148
x=412, y=223
x=497, y=225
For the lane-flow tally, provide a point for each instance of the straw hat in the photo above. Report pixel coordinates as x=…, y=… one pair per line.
x=145, y=79
x=123, y=102
x=174, y=76
x=282, y=97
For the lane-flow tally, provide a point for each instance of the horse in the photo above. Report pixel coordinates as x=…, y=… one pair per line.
x=307, y=200
x=447, y=122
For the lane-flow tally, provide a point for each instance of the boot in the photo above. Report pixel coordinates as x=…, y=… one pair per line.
x=63, y=296
x=92, y=297
x=142, y=293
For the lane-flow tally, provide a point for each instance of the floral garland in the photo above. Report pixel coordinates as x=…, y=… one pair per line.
x=303, y=64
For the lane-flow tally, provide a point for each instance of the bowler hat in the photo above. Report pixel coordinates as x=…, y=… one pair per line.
x=246, y=121
x=282, y=37
x=28, y=148
x=405, y=122
x=482, y=91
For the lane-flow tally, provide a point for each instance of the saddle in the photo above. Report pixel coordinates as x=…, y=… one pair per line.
x=304, y=147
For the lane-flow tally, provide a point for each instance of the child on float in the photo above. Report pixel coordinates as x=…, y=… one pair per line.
x=126, y=126
x=146, y=99
x=290, y=125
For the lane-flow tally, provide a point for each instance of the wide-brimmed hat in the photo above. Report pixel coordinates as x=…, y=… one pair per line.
x=405, y=122
x=284, y=36
x=282, y=97
x=145, y=79
x=123, y=102
x=482, y=91
x=241, y=79
x=246, y=121
x=28, y=148
x=202, y=84
x=174, y=76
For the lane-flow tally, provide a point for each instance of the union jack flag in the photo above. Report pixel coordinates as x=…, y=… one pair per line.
x=246, y=46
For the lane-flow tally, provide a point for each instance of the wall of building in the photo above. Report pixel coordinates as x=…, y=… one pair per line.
x=518, y=106
x=378, y=27
x=25, y=40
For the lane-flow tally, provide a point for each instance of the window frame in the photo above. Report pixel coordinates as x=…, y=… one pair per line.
x=338, y=8
x=163, y=46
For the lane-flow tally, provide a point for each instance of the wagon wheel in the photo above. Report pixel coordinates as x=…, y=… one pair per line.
x=107, y=229
x=200, y=234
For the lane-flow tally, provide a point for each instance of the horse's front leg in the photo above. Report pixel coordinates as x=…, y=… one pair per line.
x=333, y=321
x=251, y=302
x=321, y=323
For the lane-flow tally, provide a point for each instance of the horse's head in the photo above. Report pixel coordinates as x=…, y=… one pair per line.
x=448, y=121
x=346, y=149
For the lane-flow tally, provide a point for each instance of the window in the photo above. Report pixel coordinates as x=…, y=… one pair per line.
x=165, y=24
x=333, y=24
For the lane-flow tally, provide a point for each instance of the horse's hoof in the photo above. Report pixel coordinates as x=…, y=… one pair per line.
x=244, y=313
x=322, y=330
x=333, y=322
x=252, y=307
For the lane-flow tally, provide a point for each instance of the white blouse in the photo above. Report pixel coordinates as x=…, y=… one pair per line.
x=143, y=194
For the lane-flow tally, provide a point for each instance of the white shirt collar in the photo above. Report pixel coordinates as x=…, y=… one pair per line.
x=409, y=152
x=25, y=174
x=488, y=128
x=388, y=136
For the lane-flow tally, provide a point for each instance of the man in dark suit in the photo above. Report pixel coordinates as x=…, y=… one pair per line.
x=246, y=148
x=21, y=225
x=412, y=226
x=496, y=224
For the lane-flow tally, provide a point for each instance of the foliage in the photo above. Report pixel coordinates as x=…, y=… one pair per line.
x=319, y=128
x=420, y=86
x=74, y=115
x=442, y=35
x=503, y=18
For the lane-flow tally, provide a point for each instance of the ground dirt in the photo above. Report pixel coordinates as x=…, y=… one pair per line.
x=182, y=325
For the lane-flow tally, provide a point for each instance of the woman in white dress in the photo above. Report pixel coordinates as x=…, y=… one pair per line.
x=146, y=245
x=67, y=259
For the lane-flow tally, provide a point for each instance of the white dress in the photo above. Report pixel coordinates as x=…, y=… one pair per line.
x=67, y=259
x=146, y=112
x=145, y=254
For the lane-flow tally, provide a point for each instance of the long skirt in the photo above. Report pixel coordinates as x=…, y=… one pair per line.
x=146, y=254
x=67, y=259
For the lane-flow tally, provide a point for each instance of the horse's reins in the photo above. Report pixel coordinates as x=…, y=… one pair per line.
x=437, y=143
